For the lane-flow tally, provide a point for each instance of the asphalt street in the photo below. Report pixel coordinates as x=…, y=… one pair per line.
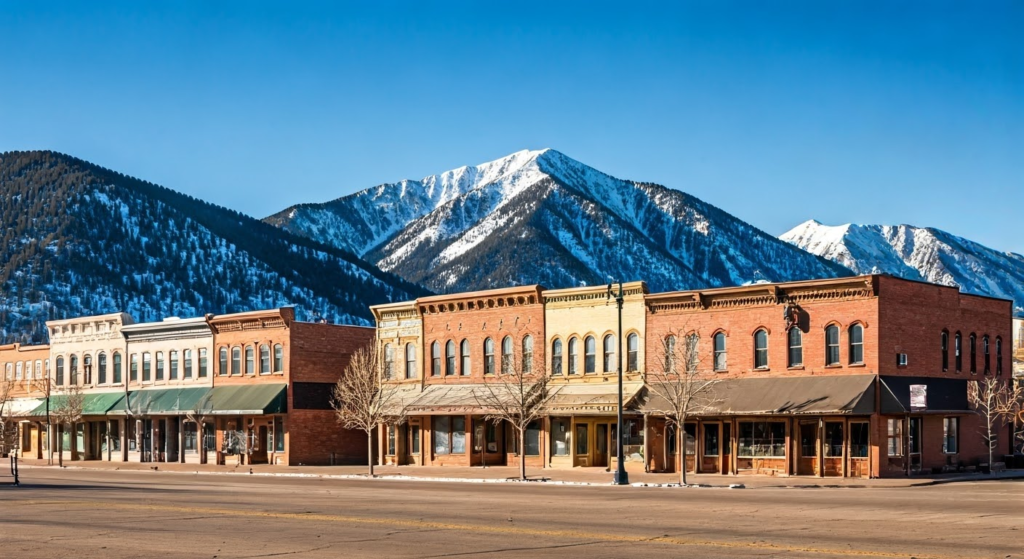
x=115, y=514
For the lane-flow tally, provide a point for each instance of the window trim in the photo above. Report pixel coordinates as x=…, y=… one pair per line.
x=758, y=350
x=723, y=352
x=799, y=347
x=851, y=344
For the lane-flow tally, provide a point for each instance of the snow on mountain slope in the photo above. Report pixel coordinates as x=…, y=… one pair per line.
x=542, y=217
x=920, y=253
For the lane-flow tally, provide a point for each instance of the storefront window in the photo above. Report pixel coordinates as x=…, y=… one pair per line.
x=533, y=439
x=392, y=440
x=560, y=437
x=191, y=432
x=895, y=437
x=711, y=440
x=833, y=439
x=691, y=439
x=414, y=438
x=765, y=439
x=278, y=434
x=950, y=430
x=859, y=440
x=115, y=436
x=449, y=435
x=582, y=448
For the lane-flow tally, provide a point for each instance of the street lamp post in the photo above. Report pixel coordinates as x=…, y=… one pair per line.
x=621, y=477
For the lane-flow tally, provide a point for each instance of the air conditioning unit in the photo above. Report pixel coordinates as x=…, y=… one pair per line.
x=901, y=359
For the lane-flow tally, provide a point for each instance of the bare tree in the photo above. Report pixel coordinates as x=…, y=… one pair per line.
x=682, y=387
x=363, y=399
x=997, y=403
x=198, y=415
x=44, y=386
x=67, y=411
x=517, y=394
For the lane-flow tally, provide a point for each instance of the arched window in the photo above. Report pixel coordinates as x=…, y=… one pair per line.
x=988, y=356
x=610, y=365
x=972, y=344
x=958, y=352
x=250, y=360
x=721, y=357
x=265, y=359
x=39, y=370
x=60, y=371
x=632, y=352
x=101, y=363
x=74, y=370
x=589, y=355
x=761, y=349
x=159, y=365
x=410, y=361
x=117, y=366
x=574, y=356
x=134, y=367
x=527, y=354
x=796, y=347
x=856, y=344
x=467, y=365
x=670, y=354
x=389, y=361
x=999, y=356
x=222, y=361
x=278, y=358
x=507, y=360
x=556, y=357
x=87, y=369
x=832, y=345
x=945, y=351
x=449, y=358
x=488, y=356
x=173, y=370
x=692, y=352
x=186, y=356
x=435, y=359
x=236, y=360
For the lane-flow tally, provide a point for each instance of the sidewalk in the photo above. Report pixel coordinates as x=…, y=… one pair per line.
x=496, y=474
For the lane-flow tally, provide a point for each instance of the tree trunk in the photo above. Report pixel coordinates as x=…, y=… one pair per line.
x=681, y=442
x=369, y=450
x=60, y=445
x=522, y=452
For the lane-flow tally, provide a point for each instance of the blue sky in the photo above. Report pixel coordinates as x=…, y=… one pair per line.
x=870, y=112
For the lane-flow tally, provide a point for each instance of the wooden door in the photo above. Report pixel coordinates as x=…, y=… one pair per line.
x=807, y=457
x=600, y=456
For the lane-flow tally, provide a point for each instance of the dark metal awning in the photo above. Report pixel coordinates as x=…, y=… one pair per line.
x=820, y=395
x=934, y=395
x=255, y=399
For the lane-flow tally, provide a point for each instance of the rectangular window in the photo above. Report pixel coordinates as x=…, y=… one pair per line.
x=690, y=439
x=147, y=367
x=202, y=363
x=392, y=440
x=859, y=439
x=278, y=358
x=115, y=436
x=441, y=435
x=191, y=437
x=915, y=438
x=131, y=431
x=766, y=439
x=414, y=438
x=560, y=437
x=533, y=439
x=833, y=439
x=711, y=439
x=278, y=434
x=250, y=361
x=582, y=444
x=894, y=437
x=159, y=365
x=187, y=372
x=950, y=432
x=173, y=372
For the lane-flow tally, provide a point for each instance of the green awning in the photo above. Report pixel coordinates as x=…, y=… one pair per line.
x=92, y=404
x=253, y=399
x=167, y=401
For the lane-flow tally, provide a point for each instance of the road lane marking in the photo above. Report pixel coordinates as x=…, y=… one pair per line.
x=482, y=528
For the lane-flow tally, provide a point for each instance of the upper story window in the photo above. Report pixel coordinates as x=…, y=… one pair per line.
x=74, y=370
x=488, y=356
x=670, y=353
x=556, y=357
x=60, y=371
x=832, y=345
x=39, y=369
x=147, y=367
x=265, y=359
x=574, y=356
x=999, y=355
x=117, y=368
x=187, y=357
x=610, y=366
x=278, y=358
x=173, y=362
x=435, y=359
x=466, y=362
x=945, y=351
x=796, y=347
x=133, y=372
x=449, y=358
x=507, y=359
x=410, y=361
x=101, y=366
x=87, y=369
x=222, y=361
x=633, y=352
x=721, y=356
x=856, y=344
x=250, y=360
x=761, y=349
x=988, y=356
x=589, y=355
x=692, y=352
x=389, y=361
x=203, y=362
x=9, y=371
x=159, y=365
x=236, y=360
x=972, y=344
x=527, y=354
x=958, y=352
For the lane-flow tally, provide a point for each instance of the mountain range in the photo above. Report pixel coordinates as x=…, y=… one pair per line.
x=542, y=217
x=79, y=239
x=918, y=253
